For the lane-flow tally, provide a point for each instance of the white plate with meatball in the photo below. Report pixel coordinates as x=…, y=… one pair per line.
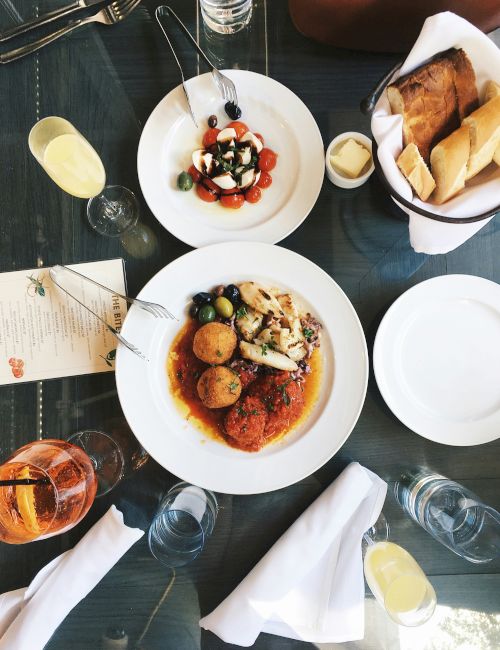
x=172, y=439
x=170, y=136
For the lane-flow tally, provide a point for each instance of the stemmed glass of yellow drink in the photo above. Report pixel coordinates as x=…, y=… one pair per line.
x=73, y=164
x=395, y=578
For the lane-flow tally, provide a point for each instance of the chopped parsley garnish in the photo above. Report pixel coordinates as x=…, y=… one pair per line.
x=218, y=353
x=179, y=375
x=308, y=333
x=242, y=311
x=264, y=348
x=282, y=389
x=233, y=386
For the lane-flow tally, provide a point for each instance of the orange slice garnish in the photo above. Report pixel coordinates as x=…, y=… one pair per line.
x=25, y=497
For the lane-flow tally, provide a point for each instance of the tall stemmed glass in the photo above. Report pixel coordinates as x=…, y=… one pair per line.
x=395, y=579
x=73, y=164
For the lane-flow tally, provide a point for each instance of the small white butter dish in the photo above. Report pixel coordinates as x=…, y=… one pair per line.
x=340, y=179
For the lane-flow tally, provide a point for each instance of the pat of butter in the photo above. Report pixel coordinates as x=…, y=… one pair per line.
x=350, y=159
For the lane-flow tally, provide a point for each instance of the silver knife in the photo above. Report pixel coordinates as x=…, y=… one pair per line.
x=47, y=18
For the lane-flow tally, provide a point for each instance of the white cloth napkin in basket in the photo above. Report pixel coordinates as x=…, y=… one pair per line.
x=29, y=616
x=309, y=585
x=439, y=33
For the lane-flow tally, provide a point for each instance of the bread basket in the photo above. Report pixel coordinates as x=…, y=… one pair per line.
x=367, y=107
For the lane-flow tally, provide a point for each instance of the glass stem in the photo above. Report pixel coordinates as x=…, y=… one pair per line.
x=110, y=206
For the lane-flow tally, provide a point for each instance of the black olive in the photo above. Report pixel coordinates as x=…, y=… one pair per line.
x=193, y=310
x=232, y=293
x=233, y=110
x=212, y=121
x=202, y=298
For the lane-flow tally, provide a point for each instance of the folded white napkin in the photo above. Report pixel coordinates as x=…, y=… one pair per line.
x=29, y=616
x=309, y=586
x=440, y=32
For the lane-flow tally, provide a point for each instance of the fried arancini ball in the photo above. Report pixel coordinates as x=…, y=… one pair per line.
x=214, y=343
x=219, y=387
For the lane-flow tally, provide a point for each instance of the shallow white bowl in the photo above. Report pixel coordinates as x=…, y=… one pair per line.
x=334, y=176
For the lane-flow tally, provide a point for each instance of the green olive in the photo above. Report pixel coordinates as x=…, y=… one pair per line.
x=206, y=314
x=223, y=307
x=184, y=181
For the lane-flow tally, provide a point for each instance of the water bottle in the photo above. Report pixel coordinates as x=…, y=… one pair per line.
x=451, y=513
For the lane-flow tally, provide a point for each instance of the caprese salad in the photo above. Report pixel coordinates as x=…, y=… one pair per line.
x=232, y=167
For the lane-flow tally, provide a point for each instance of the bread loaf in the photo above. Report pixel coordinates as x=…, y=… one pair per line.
x=449, y=164
x=434, y=98
x=484, y=132
x=411, y=163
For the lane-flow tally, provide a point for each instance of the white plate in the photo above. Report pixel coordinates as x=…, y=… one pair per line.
x=184, y=450
x=437, y=359
x=170, y=136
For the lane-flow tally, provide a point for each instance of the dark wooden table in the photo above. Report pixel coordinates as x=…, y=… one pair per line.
x=107, y=81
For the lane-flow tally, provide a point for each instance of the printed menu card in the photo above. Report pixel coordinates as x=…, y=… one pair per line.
x=44, y=333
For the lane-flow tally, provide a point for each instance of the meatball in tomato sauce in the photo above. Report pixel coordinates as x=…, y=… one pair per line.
x=245, y=424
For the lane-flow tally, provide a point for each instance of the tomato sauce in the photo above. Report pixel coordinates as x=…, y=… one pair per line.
x=284, y=402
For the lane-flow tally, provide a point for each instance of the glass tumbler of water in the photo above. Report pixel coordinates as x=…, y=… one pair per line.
x=226, y=16
x=185, y=519
x=451, y=513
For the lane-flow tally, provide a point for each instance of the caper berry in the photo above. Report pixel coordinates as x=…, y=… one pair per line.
x=206, y=314
x=223, y=307
x=212, y=121
x=184, y=181
x=233, y=110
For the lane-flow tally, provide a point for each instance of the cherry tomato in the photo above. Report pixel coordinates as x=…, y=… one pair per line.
x=261, y=137
x=233, y=201
x=210, y=137
x=233, y=190
x=265, y=180
x=253, y=195
x=195, y=174
x=207, y=190
x=267, y=159
x=240, y=127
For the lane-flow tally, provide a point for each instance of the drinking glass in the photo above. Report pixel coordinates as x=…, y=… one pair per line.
x=226, y=16
x=73, y=164
x=184, y=521
x=395, y=578
x=106, y=457
x=46, y=488
x=451, y=513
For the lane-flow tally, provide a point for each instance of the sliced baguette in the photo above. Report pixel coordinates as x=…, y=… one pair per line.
x=484, y=131
x=416, y=172
x=491, y=89
x=449, y=164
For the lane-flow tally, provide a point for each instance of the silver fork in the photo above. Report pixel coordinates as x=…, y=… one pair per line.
x=109, y=15
x=113, y=330
x=153, y=308
x=226, y=87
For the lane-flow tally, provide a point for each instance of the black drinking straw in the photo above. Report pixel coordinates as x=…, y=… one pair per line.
x=25, y=481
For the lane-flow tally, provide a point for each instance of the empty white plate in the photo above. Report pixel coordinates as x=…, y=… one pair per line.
x=437, y=359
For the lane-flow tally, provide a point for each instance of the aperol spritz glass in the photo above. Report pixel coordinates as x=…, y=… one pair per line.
x=60, y=486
